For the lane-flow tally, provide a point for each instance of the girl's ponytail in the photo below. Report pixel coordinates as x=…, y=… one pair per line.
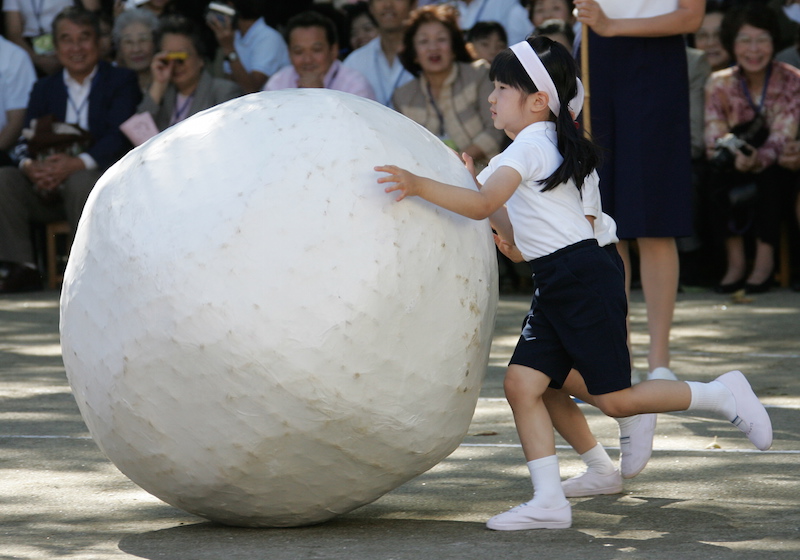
x=581, y=155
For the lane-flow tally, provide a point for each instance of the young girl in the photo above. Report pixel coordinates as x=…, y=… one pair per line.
x=531, y=193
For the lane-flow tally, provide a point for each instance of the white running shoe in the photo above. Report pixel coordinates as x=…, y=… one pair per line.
x=590, y=483
x=662, y=373
x=636, y=444
x=526, y=516
x=751, y=416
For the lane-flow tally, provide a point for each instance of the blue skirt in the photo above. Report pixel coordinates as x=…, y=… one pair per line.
x=640, y=115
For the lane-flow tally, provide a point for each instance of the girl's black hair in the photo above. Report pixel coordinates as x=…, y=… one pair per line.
x=581, y=155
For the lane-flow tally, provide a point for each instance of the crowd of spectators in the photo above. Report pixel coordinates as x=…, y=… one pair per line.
x=123, y=70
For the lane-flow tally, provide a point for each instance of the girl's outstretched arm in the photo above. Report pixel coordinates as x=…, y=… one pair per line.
x=477, y=205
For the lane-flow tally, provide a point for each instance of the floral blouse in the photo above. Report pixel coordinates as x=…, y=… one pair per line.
x=727, y=106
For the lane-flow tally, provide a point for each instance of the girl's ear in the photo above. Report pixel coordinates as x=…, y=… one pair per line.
x=538, y=101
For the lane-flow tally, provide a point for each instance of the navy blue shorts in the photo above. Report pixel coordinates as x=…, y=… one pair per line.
x=577, y=319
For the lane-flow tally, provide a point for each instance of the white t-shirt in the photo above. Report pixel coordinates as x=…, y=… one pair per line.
x=17, y=77
x=543, y=222
x=605, y=228
x=509, y=13
x=628, y=9
x=261, y=49
x=370, y=61
x=37, y=15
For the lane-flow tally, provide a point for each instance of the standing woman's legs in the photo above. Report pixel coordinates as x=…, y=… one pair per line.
x=659, y=269
x=623, y=248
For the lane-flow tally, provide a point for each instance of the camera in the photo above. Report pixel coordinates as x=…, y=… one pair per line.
x=743, y=136
x=725, y=151
x=220, y=12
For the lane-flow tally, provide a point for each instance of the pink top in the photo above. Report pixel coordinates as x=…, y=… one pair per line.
x=339, y=77
x=727, y=106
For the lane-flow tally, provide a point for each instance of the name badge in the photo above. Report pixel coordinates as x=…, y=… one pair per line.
x=43, y=44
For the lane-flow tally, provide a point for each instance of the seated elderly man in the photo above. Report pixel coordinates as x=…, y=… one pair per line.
x=313, y=47
x=89, y=93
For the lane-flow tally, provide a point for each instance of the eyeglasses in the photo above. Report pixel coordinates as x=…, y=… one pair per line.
x=761, y=40
x=706, y=36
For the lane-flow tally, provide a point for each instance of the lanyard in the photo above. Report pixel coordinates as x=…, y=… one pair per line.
x=380, y=82
x=478, y=14
x=38, y=8
x=438, y=112
x=79, y=109
x=180, y=110
x=763, y=92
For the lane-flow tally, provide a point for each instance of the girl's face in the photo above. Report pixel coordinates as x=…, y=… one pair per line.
x=136, y=47
x=433, y=48
x=508, y=107
x=362, y=31
x=753, y=49
x=707, y=40
x=542, y=10
x=488, y=47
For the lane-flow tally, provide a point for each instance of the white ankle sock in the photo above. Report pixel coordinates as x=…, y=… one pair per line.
x=597, y=460
x=547, y=490
x=712, y=397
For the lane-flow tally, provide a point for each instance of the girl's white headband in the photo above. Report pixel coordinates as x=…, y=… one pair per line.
x=541, y=78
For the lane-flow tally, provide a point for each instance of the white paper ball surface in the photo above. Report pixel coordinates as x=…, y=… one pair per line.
x=257, y=333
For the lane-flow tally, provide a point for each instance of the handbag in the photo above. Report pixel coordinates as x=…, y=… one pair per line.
x=47, y=137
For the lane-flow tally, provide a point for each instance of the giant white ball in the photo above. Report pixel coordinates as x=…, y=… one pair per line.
x=257, y=333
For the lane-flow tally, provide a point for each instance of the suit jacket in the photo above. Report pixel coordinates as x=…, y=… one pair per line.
x=210, y=92
x=112, y=100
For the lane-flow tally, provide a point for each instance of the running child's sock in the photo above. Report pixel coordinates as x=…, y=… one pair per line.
x=598, y=461
x=712, y=397
x=546, y=479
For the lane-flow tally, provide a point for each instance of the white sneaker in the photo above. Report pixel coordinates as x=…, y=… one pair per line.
x=662, y=373
x=526, y=516
x=636, y=444
x=751, y=416
x=591, y=483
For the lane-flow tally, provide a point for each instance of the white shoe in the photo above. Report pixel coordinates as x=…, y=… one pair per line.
x=526, y=516
x=751, y=416
x=662, y=373
x=591, y=483
x=636, y=444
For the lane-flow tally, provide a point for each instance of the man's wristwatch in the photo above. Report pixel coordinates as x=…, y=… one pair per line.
x=232, y=56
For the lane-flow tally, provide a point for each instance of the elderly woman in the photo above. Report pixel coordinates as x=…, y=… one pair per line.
x=757, y=100
x=134, y=39
x=450, y=94
x=181, y=85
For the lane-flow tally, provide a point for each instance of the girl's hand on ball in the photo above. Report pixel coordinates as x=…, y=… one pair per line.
x=404, y=181
x=469, y=163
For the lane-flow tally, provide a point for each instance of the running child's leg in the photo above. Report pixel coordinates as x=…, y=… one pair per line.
x=549, y=508
x=635, y=432
x=730, y=395
x=600, y=476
